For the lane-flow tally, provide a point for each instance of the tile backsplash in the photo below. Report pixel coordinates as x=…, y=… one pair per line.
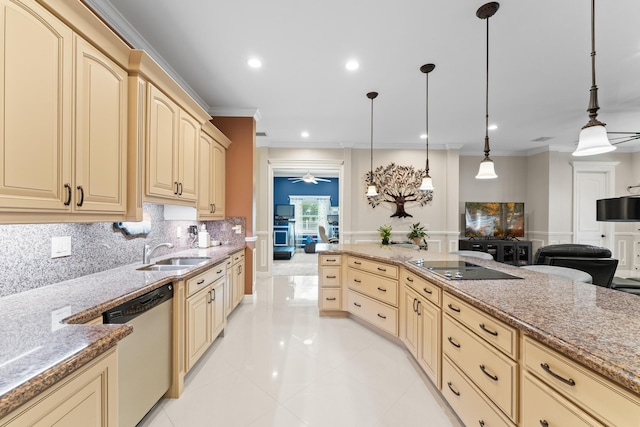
x=25, y=249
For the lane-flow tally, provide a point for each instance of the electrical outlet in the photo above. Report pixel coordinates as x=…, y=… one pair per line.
x=60, y=246
x=178, y=232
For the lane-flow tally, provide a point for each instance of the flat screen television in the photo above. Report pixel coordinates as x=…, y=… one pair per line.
x=285, y=211
x=494, y=220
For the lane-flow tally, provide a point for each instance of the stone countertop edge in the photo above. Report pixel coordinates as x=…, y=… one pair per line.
x=625, y=377
x=96, y=339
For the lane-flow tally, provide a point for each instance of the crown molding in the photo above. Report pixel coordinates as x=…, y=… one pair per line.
x=235, y=112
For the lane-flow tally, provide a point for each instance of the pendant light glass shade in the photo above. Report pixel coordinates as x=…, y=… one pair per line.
x=372, y=191
x=593, y=136
x=487, y=169
x=427, y=184
x=593, y=140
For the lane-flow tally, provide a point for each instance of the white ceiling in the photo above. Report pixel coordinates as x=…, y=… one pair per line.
x=540, y=71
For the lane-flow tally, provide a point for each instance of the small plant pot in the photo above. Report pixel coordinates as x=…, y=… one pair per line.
x=385, y=241
x=417, y=240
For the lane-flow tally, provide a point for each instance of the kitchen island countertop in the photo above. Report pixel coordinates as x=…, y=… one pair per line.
x=43, y=336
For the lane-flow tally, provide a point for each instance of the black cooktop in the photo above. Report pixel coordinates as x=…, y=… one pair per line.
x=462, y=270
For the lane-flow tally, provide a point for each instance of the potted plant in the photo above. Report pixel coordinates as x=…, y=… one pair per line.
x=385, y=233
x=417, y=234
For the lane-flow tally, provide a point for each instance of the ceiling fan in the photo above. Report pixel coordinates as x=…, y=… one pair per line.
x=308, y=178
x=625, y=137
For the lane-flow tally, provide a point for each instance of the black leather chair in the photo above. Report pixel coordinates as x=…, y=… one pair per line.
x=594, y=260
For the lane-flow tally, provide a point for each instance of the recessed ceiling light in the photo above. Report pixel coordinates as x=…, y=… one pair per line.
x=423, y=136
x=254, y=63
x=492, y=127
x=305, y=134
x=352, y=65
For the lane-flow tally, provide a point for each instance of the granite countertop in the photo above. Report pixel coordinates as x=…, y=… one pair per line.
x=43, y=339
x=595, y=326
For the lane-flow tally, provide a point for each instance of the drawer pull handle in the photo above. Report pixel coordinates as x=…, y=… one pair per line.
x=357, y=305
x=415, y=305
x=427, y=291
x=214, y=294
x=453, y=343
x=219, y=271
x=544, y=423
x=382, y=269
x=331, y=277
x=200, y=282
x=457, y=310
x=409, y=279
x=357, y=280
x=68, y=201
x=331, y=298
x=357, y=262
x=493, y=377
x=330, y=260
x=548, y=370
x=381, y=316
x=418, y=308
x=81, y=202
x=382, y=289
x=481, y=423
x=489, y=331
x=457, y=393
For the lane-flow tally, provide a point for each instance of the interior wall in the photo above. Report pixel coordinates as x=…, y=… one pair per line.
x=537, y=198
x=283, y=187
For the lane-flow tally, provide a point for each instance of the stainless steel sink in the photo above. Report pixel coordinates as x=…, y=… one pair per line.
x=182, y=261
x=173, y=264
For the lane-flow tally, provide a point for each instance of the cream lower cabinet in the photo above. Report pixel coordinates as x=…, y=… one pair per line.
x=474, y=343
x=49, y=167
x=211, y=181
x=86, y=398
x=557, y=391
x=204, y=312
x=237, y=278
x=329, y=282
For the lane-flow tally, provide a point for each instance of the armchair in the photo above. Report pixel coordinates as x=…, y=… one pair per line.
x=594, y=260
x=323, y=236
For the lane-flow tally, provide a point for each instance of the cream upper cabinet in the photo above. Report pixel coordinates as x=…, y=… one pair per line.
x=172, y=150
x=36, y=90
x=53, y=80
x=100, y=173
x=211, y=169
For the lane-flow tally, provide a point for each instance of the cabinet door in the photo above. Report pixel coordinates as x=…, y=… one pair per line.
x=217, y=309
x=101, y=132
x=187, y=157
x=205, y=177
x=35, y=129
x=410, y=336
x=198, y=325
x=229, y=289
x=162, y=181
x=218, y=184
x=429, y=339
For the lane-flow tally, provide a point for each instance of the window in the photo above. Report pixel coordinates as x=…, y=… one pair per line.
x=311, y=212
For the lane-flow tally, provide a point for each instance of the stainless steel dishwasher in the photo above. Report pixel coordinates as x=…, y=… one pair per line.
x=144, y=356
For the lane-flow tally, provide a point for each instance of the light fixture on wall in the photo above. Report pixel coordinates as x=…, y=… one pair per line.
x=487, y=169
x=372, y=191
x=593, y=136
x=427, y=182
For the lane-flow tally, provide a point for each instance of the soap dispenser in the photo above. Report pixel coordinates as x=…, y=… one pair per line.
x=204, y=239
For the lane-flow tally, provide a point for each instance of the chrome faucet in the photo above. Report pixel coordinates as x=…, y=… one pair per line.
x=148, y=250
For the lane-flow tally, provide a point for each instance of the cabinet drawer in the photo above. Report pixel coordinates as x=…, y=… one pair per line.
x=422, y=287
x=467, y=401
x=330, y=259
x=496, y=332
x=377, y=313
x=605, y=400
x=382, y=289
x=330, y=299
x=330, y=277
x=494, y=373
x=202, y=280
x=540, y=404
x=378, y=268
x=237, y=257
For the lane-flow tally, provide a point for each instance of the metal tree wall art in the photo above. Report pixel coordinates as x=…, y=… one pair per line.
x=400, y=185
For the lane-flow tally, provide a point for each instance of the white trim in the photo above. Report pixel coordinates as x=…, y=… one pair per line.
x=622, y=252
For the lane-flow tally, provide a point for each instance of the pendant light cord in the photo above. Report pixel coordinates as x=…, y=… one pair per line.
x=371, y=170
x=486, y=106
x=593, y=98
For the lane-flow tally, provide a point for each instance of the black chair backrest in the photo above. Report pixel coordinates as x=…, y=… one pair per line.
x=570, y=250
x=601, y=269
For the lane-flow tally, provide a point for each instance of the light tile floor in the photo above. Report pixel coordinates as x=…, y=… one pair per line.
x=280, y=365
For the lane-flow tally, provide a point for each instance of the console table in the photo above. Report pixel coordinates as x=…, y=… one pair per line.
x=514, y=252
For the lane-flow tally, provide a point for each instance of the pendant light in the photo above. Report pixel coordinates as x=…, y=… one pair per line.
x=427, y=183
x=593, y=136
x=487, y=170
x=372, y=191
